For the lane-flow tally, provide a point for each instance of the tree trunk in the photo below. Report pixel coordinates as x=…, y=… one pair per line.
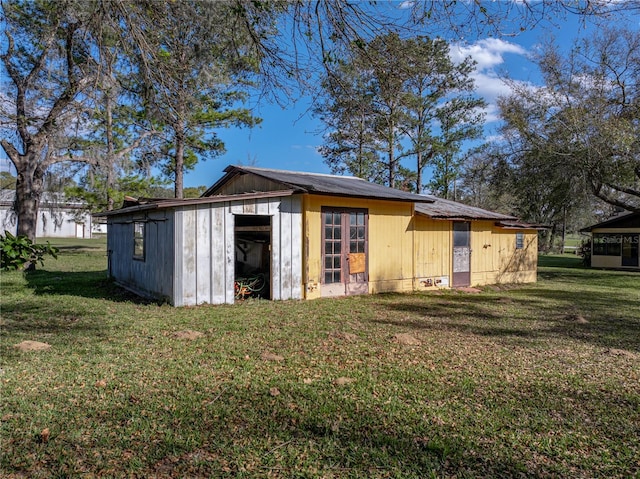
x=391, y=156
x=179, y=165
x=110, y=180
x=29, y=185
x=419, y=173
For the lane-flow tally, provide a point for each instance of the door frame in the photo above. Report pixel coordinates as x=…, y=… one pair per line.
x=460, y=255
x=346, y=285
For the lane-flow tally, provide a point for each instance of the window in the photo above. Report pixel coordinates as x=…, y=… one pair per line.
x=461, y=234
x=519, y=240
x=332, y=247
x=607, y=244
x=138, y=240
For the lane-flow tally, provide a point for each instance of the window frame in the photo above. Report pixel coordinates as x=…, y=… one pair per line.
x=345, y=241
x=139, y=240
x=519, y=240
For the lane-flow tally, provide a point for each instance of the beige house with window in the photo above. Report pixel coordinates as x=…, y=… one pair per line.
x=615, y=243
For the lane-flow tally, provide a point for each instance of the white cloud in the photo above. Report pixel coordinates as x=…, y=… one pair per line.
x=489, y=55
x=488, y=52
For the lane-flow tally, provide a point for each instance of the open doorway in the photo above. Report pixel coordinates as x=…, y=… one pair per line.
x=252, y=257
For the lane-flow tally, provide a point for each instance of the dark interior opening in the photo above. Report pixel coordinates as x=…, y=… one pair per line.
x=252, y=257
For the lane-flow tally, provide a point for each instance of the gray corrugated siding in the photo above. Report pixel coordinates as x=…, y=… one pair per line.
x=151, y=277
x=202, y=237
x=205, y=252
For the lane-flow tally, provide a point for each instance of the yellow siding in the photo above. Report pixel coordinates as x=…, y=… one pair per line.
x=515, y=265
x=494, y=258
x=482, y=253
x=415, y=253
x=432, y=252
x=390, y=261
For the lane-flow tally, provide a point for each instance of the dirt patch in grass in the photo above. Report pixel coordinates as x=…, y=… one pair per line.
x=341, y=335
x=343, y=381
x=32, y=346
x=269, y=356
x=188, y=334
x=468, y=290
x=621, y=352
x=406, y=339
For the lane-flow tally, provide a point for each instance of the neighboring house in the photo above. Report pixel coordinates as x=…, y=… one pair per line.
x=311, y=236
x=57, y=217
x=615, y=243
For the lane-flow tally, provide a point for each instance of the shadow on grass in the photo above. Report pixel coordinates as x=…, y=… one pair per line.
x=333, y=435
x=601, y=277
x=62, y=306
x=80, y=248
x=86, y=284
x=533, y=314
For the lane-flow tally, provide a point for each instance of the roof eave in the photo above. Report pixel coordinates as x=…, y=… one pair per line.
x=464, y=217
x=177, y=202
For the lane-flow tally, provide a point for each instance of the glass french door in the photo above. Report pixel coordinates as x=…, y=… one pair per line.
x=344, y=252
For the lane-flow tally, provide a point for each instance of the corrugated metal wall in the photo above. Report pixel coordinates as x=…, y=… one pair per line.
x=189, y=251
x=153, y=275
x=205, y=257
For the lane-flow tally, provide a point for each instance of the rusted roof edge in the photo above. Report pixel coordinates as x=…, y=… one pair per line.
x=441, y=217
x=520, y=225
x=175, y=202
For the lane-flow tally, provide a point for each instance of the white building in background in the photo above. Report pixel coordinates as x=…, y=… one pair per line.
x=57, y=217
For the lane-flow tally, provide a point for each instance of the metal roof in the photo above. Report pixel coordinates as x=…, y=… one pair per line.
x=321, y=184
x=451, y=210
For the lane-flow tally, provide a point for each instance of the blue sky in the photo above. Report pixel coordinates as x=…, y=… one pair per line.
x=288, y=138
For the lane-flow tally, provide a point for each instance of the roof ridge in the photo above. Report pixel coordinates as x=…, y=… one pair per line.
x=307, y=173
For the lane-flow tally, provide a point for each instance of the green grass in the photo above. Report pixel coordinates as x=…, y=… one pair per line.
x=540, y=380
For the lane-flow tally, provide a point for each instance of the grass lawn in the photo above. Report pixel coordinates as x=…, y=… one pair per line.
x=540, y=380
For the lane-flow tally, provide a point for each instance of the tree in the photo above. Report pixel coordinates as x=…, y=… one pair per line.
x=49, y=56
x=190, y=71
x=349, y=145
x=583, y=127
x=116, y=131
x=442, y=112
x=49, y=61
x=398, y=98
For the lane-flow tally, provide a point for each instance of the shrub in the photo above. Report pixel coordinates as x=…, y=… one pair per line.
x=20, y=252
x=584, y=251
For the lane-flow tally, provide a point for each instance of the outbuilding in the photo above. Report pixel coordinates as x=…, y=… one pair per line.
x=615, y=243
x=58, y=217
x=291, y=235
